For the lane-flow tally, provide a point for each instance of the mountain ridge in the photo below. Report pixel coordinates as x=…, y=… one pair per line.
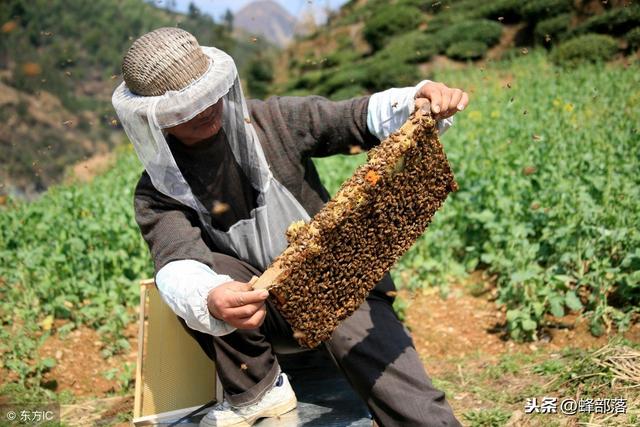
x=268, y=19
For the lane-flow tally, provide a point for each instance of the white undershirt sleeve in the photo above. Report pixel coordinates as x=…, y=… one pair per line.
x=389, y=109
x=184, y=286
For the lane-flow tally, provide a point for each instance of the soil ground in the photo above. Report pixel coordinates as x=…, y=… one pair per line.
x=486, y=378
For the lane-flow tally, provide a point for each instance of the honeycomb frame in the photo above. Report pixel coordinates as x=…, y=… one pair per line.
x=334, y=261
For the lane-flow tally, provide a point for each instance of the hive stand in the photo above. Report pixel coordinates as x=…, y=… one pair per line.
x=170, y=382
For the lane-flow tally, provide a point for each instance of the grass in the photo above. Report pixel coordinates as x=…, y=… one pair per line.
x=509, y=364
x=589, y=371
x=495, y=393
x=486, y=418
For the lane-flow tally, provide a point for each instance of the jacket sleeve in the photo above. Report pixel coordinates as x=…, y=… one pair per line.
x=169, y=228
x=316, y=126
x=182, y=259
x=389, y=109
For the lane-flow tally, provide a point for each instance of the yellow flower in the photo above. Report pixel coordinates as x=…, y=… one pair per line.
x=557, y=102
x=495, y=114
x=47, y=323
x=588, y=112
x=568, y=107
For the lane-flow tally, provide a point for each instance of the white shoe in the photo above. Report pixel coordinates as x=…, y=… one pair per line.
x=277, y=401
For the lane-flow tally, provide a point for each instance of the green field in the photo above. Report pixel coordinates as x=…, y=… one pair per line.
x=547, y=160
x=74, y=254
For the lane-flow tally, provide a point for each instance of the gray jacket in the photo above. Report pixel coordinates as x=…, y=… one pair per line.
x=291, y=131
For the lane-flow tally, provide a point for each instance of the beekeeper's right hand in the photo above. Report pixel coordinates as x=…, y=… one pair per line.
x=238, y=304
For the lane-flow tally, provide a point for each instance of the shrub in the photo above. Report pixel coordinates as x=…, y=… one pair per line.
x=614, y=22
x=259, y=76
x=633, y=38
x=308, y=80
x=340, y=57
x=309, y=62
x=423, y=5
x=444, y=5
x=389, y=21
x=484, y=31
x=445, y=20
x=411, y=48
x=377, y=72
x=553, y=27
x=348, y=92
x=339, y=78
x=508, y=10
x=467, y=50
x=589, y=47
x=383, y=74
x=538, y=10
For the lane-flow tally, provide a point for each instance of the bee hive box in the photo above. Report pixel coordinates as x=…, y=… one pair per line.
x=333, y=262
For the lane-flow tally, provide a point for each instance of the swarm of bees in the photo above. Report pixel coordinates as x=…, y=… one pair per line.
x=333, y=262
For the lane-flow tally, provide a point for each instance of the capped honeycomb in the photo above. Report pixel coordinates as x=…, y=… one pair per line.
x=333, y=262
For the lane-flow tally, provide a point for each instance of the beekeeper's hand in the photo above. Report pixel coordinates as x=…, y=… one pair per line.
x=445, y=101
x=238, y=304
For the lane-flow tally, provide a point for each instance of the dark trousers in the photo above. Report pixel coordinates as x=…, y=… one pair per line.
x=372, y=348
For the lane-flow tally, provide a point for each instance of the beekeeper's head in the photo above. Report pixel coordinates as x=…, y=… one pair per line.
x=174, y=86
x=170, y=59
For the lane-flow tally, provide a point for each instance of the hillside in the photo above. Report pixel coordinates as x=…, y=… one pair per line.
x=59, y=63
x=372, y=45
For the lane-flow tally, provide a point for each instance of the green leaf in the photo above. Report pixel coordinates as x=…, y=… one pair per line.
x=597, y=328
x=487, y=258
x=522, y=276
x=538, y=309
x=572, y=301
x=556, y=306
x=563, y=278
x=512, y=315
x=48, y=362
x=529, y=325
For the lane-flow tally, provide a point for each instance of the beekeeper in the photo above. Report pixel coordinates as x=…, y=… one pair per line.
x=223, y=180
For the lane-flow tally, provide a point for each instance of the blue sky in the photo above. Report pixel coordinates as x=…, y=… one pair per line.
x=216, y=8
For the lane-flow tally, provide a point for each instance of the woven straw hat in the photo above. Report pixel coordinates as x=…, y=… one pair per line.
x=162, y=60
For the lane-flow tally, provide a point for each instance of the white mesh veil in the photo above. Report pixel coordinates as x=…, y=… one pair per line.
x=257, y=240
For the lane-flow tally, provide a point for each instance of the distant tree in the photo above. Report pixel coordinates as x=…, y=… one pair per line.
x=194, y=11
x=259, y=76
x=209, y=18
x=228, y=20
